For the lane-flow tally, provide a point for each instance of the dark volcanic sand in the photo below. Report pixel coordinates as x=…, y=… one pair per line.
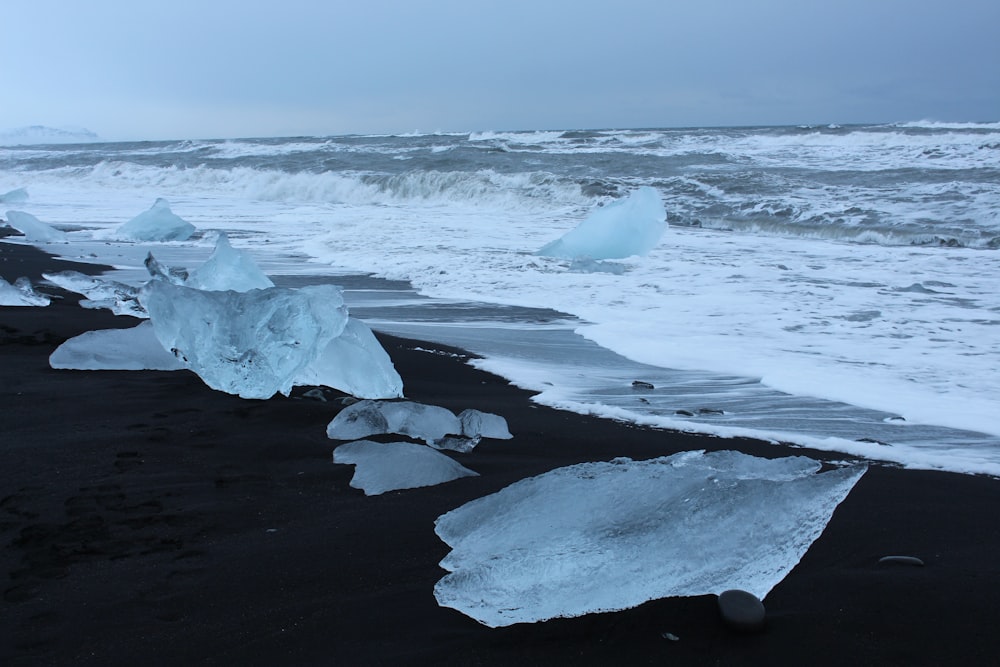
x=146, y=519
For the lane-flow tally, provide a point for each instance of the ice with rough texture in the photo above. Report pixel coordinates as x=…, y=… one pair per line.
x=381, y=467
x=34, y=230
x=18, y=196
x=253, y=344
x=626, y=227
x=119, y=298
x=356, y=363
x=133, y=349
x=608, y=536
x=21, y=293
x=478, y=424
x=158, y=223
x=228, y=269
x=364, y=418
x=160, y=271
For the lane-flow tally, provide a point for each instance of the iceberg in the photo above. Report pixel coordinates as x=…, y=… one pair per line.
x=119, y=298
x=133, y=349
x=21, y=293
x=477, y=424
x=253, y=344
x=228, y=269
x=18, y=196
x=611, y=535
x=356, y=363
x=364, y=418
x=626, y=227
x=34, y=230
x=158, y=223
x=381, y=467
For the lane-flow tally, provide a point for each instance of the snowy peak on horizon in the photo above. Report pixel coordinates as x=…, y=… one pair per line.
x=41, y=134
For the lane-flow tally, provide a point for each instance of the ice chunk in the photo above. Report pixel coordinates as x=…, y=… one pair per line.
x=356, y=363
x=254, y=343
x=34, y=230
x=364, y=418
x=159, y=223
x=630, y=226
x=132, y=349
x=609, y=536
x=163, y=272
x=228, y=269
x=119, y=298
x=476, y=424
x=21, y=293
x=381, y=467
x=18, y=196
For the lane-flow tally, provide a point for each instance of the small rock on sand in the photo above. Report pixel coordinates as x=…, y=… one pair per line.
x=742, y=610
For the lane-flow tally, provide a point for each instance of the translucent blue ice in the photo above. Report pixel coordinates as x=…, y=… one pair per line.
x=381, y=467
x=18, y=196
x=131, y=349
x=21, y=293
x=356, y=363
x=626, y=227
x=158, y=223
x=607, y=536
x=228, y=269
x=364, y=418
x=34, y=230
x=253, y=344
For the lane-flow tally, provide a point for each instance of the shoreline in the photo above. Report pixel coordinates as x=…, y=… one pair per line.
x=146, y=518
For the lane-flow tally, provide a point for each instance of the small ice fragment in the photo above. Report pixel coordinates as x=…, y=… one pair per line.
x=381, y=467
x=18, y=196
x=158, y=223
x=476, y=424
x=21, y=293
x=228, y=269
x=34, y=230
x=119, y=298
x=426, y=422
x=626, y=227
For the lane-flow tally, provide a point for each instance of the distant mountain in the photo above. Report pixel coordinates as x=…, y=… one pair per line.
x=40, y=134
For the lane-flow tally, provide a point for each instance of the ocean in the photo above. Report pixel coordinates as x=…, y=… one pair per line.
x=836, y=287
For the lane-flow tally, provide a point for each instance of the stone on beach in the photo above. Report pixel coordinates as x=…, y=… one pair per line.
x=381, y=467
x=742, y=611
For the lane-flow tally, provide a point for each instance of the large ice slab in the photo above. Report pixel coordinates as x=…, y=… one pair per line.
x=626, y=227
x=21, y=293
x=158, y=223
x=228, y=269
x=609, y=536
x=381, y=467
x=133, y=349
x=34, y=230
x=253, y=344
x=356, y=363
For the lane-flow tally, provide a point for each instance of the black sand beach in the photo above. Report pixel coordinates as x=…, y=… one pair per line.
x=146, y=519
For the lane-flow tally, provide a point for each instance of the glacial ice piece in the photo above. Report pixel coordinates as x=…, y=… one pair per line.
x=356, y=363
x=18, y=196
x=252, y=344
x=158, y=223
x=160, y=271
x=133, y=349
x=477, y=424
x=21, y=293
x=609, y=536
x=364, y=418
x=119, y=298
x=34, y=230
x=381, y=467
x=228, y=269
x=626, y=227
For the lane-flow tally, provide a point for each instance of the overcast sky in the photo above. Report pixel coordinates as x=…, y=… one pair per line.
x=173, y=69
